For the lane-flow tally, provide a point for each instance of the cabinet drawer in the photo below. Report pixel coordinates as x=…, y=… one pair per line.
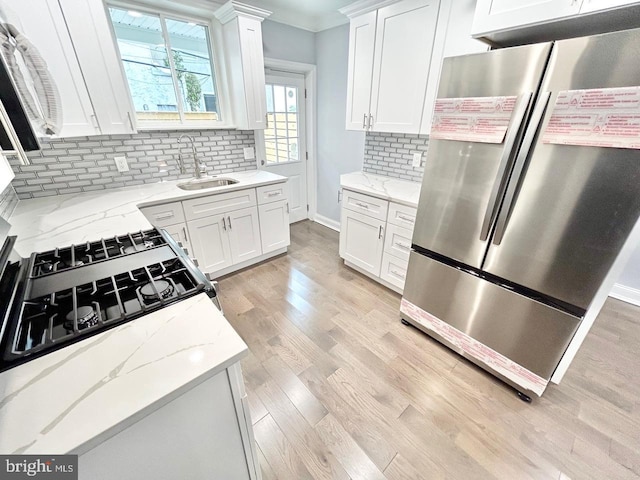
x=271, y=193
x=402, y=216
x=218, y=204
x=397, y=241
x=371, y=206
x=394, y=270
x=164, y=215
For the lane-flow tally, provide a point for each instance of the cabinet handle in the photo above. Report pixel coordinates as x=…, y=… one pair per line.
x=397, y=274
x=224, y=224
x=364, y=121
x=339, y=196
x=370, y=121
x=380, y=233
x=184, y=230
x=162, y=216
x=402, y=245
x=362, y=205
x=273, y=194
x=287, y=207
x=229, y=220
x=406, y=219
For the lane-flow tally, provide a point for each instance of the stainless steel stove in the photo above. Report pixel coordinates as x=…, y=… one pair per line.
x=61, y=296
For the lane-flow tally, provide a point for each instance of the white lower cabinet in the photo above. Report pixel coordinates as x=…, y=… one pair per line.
x=377, y=247
x=362, y=240
x=226, y=231
x=210, y=243
x=275, y=218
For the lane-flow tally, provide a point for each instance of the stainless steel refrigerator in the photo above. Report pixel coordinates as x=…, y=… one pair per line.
x=514, y=236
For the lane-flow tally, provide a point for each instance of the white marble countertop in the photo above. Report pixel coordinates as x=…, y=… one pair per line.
x=392, y=189
x=50, y=222
x=73, y=399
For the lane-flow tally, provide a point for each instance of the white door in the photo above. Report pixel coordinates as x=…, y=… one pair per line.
x=282, y=145
x=362, y=38
x=496, y=15
x=210, y=242
x=179, y=233
x=243, y=227
x=274, y=225
x=362, y=240
x=405, y=33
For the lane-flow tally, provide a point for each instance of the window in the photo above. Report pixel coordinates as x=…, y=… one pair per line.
x=175, y=88
x=281, y=138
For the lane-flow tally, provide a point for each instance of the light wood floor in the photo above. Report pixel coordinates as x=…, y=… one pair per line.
x=340, y=389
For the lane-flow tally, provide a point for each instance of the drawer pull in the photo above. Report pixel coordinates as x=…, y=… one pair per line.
x=406, y=219
x=273, y=194
x=380, y=233
x=403, y=246
x=362, y=205
x=397, y=274
x=162, y=216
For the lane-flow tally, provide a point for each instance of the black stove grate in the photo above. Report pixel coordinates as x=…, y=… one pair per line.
x=91, y=252
x=50, y=321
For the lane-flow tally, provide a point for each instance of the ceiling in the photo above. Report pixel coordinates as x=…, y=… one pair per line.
x=313, y=15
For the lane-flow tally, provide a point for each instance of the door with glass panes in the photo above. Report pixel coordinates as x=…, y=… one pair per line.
x=282, y=146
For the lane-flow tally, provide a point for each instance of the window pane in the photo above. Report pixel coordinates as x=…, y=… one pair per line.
x=146, y=64
x=269, y=89
x=278, y=93
x=192, y=61
x=292, y=99
x=293, y=150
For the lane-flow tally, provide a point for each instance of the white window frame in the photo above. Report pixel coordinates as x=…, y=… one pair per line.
x=216, y=49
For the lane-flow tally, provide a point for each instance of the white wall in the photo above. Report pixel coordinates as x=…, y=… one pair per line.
x=288, y=43
x=628, y=286
x=339, y=151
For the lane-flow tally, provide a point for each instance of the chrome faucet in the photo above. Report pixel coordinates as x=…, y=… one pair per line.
x=200, y=168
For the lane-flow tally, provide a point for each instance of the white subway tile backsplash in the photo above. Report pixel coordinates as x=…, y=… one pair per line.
x=72, y=165
x=391, y=155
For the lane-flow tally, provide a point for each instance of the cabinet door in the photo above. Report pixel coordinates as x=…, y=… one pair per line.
x=210, y=242
x=361, y=240
x=596, y=5
x=244, y=234
x=95, y=48
x=274, y=225
x=362, y=36
x=497, y=15
x=179, y=233
x=48, y=33
x=253, y=68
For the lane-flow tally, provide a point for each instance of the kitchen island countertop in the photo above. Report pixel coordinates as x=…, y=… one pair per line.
x=387, y=188
x=74, y=398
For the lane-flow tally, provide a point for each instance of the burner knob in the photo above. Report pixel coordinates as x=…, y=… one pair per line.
x=195, y=262
x=180, y=245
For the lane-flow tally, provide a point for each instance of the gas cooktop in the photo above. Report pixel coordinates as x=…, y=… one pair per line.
x=64, y=295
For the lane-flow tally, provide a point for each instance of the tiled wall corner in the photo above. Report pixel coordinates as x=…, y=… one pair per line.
x=8, y=202
x=84, y=164
x=391, y=154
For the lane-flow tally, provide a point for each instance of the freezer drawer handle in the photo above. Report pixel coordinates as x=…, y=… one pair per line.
x=520, y=109
x=518, y=168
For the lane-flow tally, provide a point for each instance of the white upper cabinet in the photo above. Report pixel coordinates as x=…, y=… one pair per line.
x=48, y=33
x=101, y=68
x=6, y=173
x=453, y=38
x=404, y=39
x=496, y=15
x=244, y=60
x=362, y=37
x=389, y=69
x=597, y=5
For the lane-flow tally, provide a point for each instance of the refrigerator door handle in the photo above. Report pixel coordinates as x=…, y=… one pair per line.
x=519, y=112
x=521, y=160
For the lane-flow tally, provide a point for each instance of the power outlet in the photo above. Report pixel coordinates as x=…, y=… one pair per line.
x=417, y=159
x=121, y=164
x=249, y=153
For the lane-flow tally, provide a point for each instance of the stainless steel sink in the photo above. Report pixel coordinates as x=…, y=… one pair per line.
x=206, y=183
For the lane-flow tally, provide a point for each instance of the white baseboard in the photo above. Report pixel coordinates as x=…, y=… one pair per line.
x=626, y=294
x=327, y=222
